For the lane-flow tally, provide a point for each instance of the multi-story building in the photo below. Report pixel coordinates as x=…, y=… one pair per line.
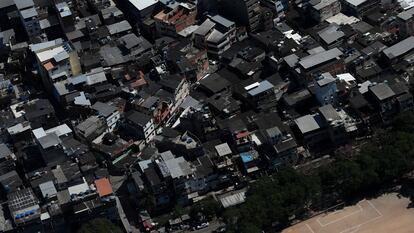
x=178, y=86
x=66, y=18
x=57, y=61
x=29, y=17
x=331, y=36
x=172, y=22
x=389, y=100
x=109, y=112
x=283, y=146
x=140, y=10
x=279, y=7
x=321, y=10
x=257, y=94
x=6, y=7
x=405, y=21
x=399, y=50
x=358, y=7
x=216, y=34
x=112, y=15
x=244, y=12
x=139, y=125
x=324, y=88
x=321, y=61
x=91, y=128
x=24, y=207
x=49, y=142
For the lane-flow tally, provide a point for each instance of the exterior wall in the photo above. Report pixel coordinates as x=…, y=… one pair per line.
x=75, y=63
x=112, y=120
x=182, y=91
x=360, y=10
x=335, y=67
x=406, y=27
x=242, y=12
x=200, y=41
x=337, y=132
x=149, y=131
x=31, y=26
x=326, y=94
x=406, y=105
x=71, y=66
x=166, y=29
x=219, y=48
x=138, y=15
x=388, y=109
x=315, y=138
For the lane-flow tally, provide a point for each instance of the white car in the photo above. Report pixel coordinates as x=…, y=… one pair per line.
x=202, y=225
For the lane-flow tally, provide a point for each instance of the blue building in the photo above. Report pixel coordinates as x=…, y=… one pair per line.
x=249, y=160
x=324, y=88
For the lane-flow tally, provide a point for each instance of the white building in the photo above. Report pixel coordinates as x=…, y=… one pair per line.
x=57, y=61
x=216, y=34
x=109, y=112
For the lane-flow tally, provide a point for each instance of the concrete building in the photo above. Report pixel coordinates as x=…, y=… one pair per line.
x=321, y=10
x=358, y=7
x=24, y=207
x=257, y=94
x=321, y=61
x=139, y=125
x=405, y=21
x=141, y=9
x=400, y=49
x=324, y=88
x=90, y=128
x=109, y=112
x=57, y=61
x=170, y=23
x=29, y=17
x=331, y=36
x=278, y=7
x=243, y=12
x=66, y=18
x=216, y=34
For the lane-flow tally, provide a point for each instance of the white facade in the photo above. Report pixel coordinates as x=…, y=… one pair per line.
x=149, y=131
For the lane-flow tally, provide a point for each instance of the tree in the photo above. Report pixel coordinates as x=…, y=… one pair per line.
x=404, y=122
x=272, y=201
x=178, y=211
x=99, y=225
x=209, y=207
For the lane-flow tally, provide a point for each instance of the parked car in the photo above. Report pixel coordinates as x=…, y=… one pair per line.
x=201, y=226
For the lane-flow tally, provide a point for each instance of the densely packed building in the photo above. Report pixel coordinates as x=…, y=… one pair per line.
x=175, y=101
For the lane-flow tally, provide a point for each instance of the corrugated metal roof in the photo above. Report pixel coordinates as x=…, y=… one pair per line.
x=178, y=167
x=382, y=91
x=223, y=149
x=48, y=189
x=221, y=20
x=329, y=113
x=205, y=27
x=319, y=58
x=400, y=48
x=307, y=123
x=28, y=13
x=142, y=4
x=263, y=86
